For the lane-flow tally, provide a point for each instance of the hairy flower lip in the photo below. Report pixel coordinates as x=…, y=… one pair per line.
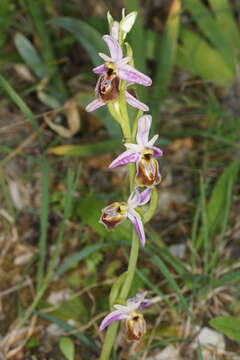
x=115, y=213
x=143, y=153
x=123, y=70
x=127, y=312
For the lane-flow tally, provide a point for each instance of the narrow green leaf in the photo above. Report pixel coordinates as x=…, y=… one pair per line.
x=66, y=327
x=78, y=257
x=137, y=32
x=226, y=213
x=136, y=38
x=153, y=287
x=91, y=217
x=30, y=55
x=211, y=29
x=43, y=222
x=7, y=195
x=89, y=37
x=167, y=53
x=87, y=150
x=225, y=19
x=228, y=325
x=6, y=12
x=66, y=346
x=228, y=278
x=217, y=203
x=198, y=57
x=115, y=288
x=206, y=242
x=21, y=104
x=38, y=15
x=171, y=281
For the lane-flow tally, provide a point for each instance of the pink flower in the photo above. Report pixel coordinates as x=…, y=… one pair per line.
x=135, y=323
x=144, y=154
x=114, y=69
x=115, y=213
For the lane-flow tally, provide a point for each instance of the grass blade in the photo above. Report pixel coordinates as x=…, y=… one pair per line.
x=210, y=28
x=171, y=281
x=153, y=287
x=215, y=254
x=37, y=12
x=217, y=203
x=225, y=19
x=84, y=339
x=43, y=222
x=167, y=53
x=21, y=104
x=87, y=150
x=204, y=225
x=78, y=257
x=89, y=37
x=71, y=186
x=138, y=32
x=30, y=55
x=198, y=57
x=7, y=195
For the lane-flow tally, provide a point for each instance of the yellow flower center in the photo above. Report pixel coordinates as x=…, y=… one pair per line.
x=111, y=68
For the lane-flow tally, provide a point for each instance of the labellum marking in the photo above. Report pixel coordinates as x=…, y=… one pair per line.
x=108, y=85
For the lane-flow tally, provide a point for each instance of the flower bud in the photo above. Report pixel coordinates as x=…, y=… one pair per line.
x=127, y=22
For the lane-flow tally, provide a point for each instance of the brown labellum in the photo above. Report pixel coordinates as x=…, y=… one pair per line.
x=132, y=92
x=147, y=170
x=136, y=327
x=108, y=86
x=113, y=215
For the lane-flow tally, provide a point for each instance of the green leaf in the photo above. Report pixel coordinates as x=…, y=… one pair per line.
x=89, y=37
x=166, y=56
x=211, y=29
x=74, y=309
x=171, y=280
x=66, y=346
x=66, y=327
x=225, y=19
x=217, y=203
x=6, y=12
x=43, y=222
x=228, y=325
x=153, y=287
x=91, y=217
x=198, y=57
x=87, y=150
x=38, y=14
x=30, y=55
x=21, y=104
x=78, y=257
x=138, y=32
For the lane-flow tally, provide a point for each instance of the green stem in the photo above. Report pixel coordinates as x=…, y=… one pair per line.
x=109, y=340
x=112, y=329
x=152, y=207
x=131, y=266
x=72, y=184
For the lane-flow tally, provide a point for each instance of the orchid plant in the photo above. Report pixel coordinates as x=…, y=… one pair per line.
x=116, y=75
